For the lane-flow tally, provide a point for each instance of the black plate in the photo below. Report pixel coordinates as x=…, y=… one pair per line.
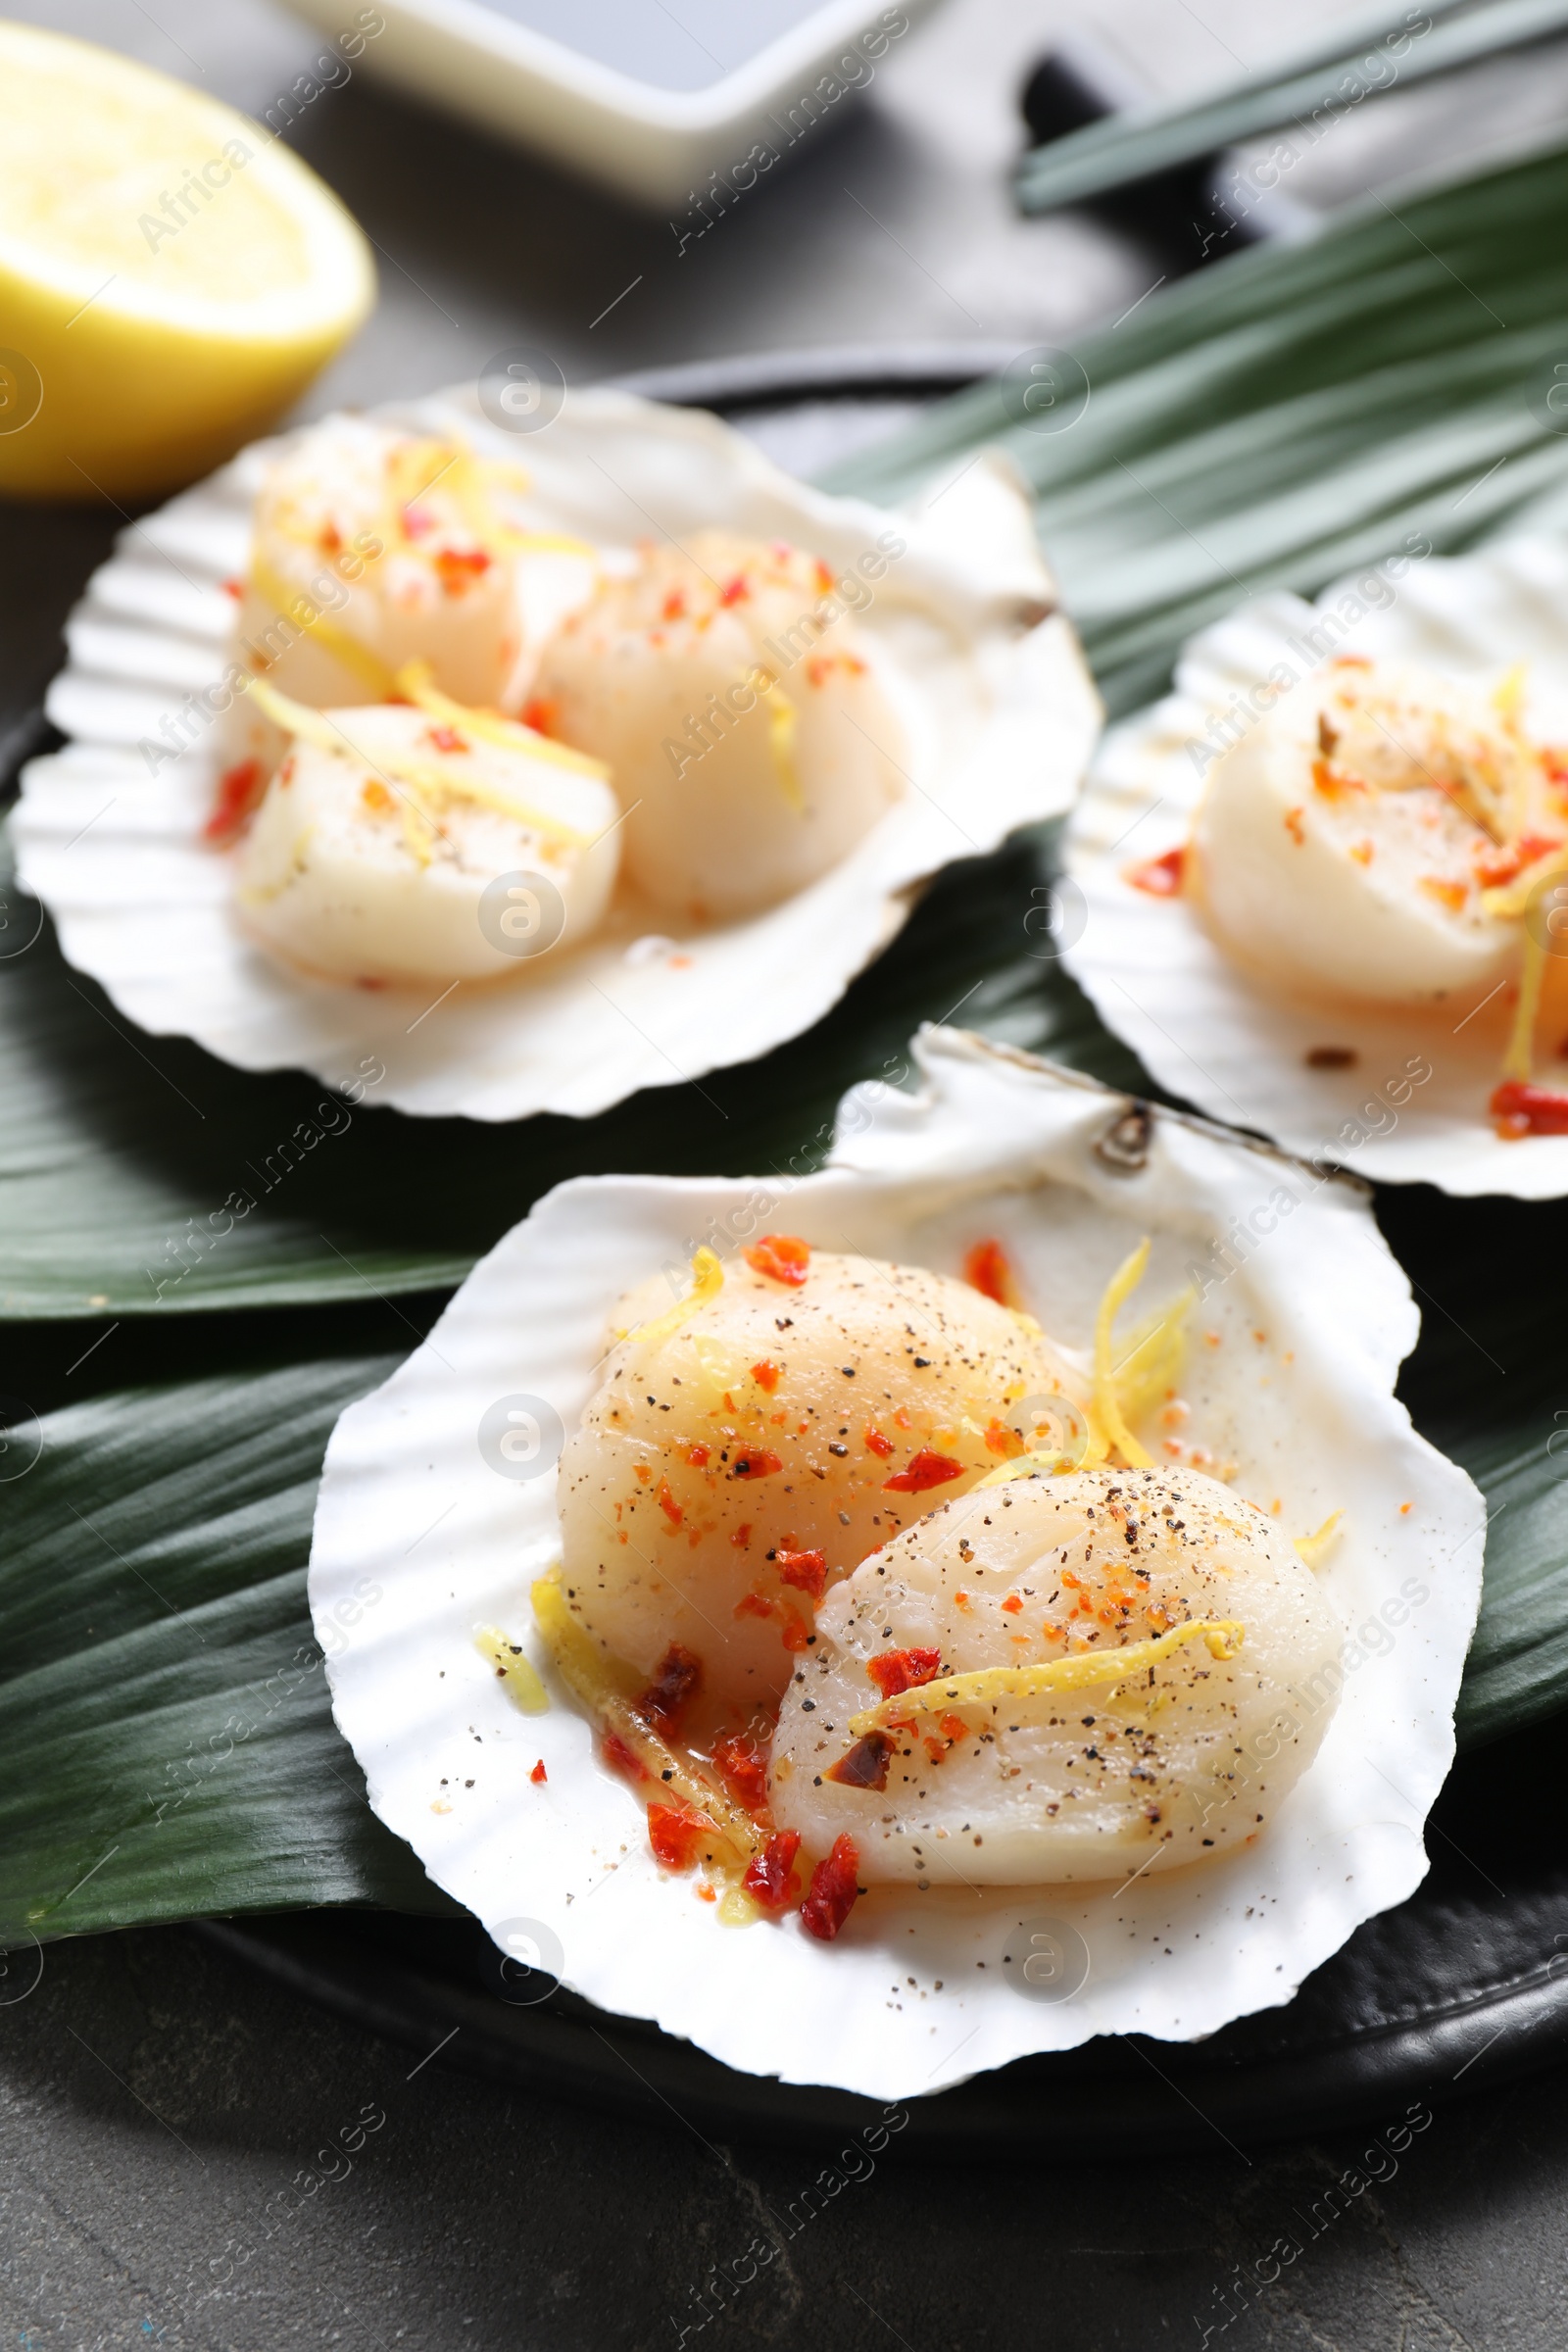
x=1464, y=1985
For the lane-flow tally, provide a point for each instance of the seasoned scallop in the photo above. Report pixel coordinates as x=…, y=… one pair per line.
x=748, y=1447
x=730, y=691
x=394, y=847
x=1058, y=1678
x=1347, y=840
x=372, y=547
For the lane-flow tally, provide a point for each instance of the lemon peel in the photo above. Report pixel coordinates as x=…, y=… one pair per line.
x=707, y=1279
x=1222, y=1636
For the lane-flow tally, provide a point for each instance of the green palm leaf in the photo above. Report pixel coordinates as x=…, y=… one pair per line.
x=1311, y=89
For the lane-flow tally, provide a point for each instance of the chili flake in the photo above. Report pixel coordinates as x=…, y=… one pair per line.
x=866, y=1764
x=986, y=1269
x=238, y=791
x=1519, y=1109
x=676, y=1834
x=806, y=1571
x=923, y=1470
x=675, y=1686
x=832, y=1894
x=1162, y=877
x=743, y=1768
x=781, y=1256
x=770, y=1878
x=896, y=1670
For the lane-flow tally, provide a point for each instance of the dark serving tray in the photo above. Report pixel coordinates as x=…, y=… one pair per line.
x=1460, y=1988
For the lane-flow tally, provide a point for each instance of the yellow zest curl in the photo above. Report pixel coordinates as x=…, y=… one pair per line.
x=1315, y=1549
x=1107, y=1410
x=781, y=744
x=417, y=781
x=356, y=658
x=607, y=1688
x=988, y=1685
x=707, y=1279
x=509, y=1659
x=416, y=680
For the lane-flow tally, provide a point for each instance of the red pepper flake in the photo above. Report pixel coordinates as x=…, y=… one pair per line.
x=743, y=1768
x=543, y=716
x=864, y=1765
x=923, y=1470
x=796, y=1633
x=674, y=604
x=742, y=1537
x=754, y=1461
x=736, y=591
x=668, y=1504
x=234, y=588
x=238, y=791
x=1003, y=1439
x=697, y=1457
x=456, y=567
x=896, y=1670
x=986, y=1269
x=832, y=1894
x=781, y=1256
x=765, y=1375
x=936, y=1749
x=824, y=575
x=753, y=1604
x=620, y=1758
x=1519, y=1109
x=877, y=1443
x=677, y=1834
x=1163, y=877
x=770, y=1878
x=446, y=739
x=806, y=1571
x=675, y=1686
x=1293, y=826
x=539, y=1776
x=1013, y=1604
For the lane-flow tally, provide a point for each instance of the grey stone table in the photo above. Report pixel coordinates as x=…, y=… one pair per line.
x=162, y=2104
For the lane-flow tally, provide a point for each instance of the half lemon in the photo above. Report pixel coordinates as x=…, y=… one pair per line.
x=170, y=276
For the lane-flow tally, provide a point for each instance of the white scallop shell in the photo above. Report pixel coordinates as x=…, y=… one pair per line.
x=1001, y=712
x=1209, y=1031
x=418, y=1541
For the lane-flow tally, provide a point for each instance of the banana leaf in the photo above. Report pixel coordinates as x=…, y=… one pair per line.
x=1322, y=81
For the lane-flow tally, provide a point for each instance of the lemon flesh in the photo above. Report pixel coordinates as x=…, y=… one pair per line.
x=170, y=276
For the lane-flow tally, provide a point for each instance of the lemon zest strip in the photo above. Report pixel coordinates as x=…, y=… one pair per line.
x=275, y=590
x=707, y=1279
x=1222, y=1636
x=421, y=776
x=1519, y=1059
x=509, y=1659
x=781, y=744
x=416, y=680
x=1316, y=1548
x=1107, y=1404
x=1153, y=1364
x=606, y=1687
x=1052, y=1461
